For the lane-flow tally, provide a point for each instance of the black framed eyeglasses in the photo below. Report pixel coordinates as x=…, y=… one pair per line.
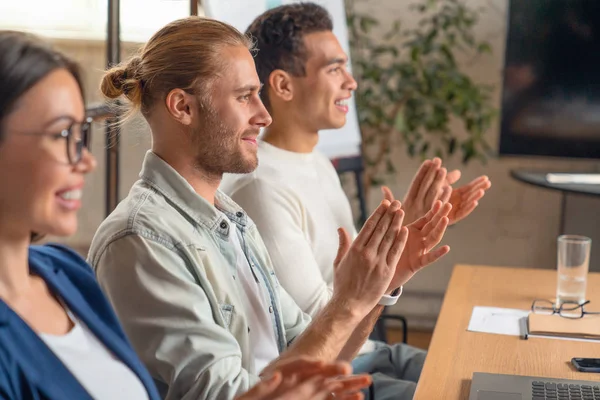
x=566, y=309
x=77, y=137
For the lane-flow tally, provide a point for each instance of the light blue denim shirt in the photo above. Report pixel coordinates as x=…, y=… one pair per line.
x=165, y=262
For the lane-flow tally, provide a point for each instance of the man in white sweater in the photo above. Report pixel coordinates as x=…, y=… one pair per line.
x=295, y=196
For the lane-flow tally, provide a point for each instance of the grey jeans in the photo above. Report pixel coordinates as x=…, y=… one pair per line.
x=395, y=370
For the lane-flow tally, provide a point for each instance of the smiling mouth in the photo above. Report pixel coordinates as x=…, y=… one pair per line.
x=342, y=105
x=70, y=199
x=71, y=195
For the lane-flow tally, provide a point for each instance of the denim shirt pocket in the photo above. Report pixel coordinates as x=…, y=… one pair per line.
x=227, y=314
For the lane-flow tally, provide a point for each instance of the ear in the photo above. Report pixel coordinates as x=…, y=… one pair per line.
x=280, y=85
x=181, y=106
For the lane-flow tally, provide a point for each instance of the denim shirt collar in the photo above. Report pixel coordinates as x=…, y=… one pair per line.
x=163, y=178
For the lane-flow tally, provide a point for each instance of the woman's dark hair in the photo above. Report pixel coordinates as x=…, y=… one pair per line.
x=24, y=61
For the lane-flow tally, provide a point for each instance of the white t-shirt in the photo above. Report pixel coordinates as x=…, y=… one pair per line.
x=297, y=203
x=104, y=376
x=258, y=308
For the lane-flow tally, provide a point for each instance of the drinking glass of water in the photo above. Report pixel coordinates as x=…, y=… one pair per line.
x=573, y=264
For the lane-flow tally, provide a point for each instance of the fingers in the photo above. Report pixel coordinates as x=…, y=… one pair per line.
x=435, y=220
x=483, y=185
x=421, y=222
x=428, y=180
x=387, y=194
x=307, y=378
x=436, y=186
x=487, y=185
x=475, y=196
x=437, y=233
x=305, y=366
x=353, y=383
x=290, y=366
x=393, y=229
x=435, y=208
x=383, y=226
x=477, y=181
x=465, y=207
x=415, y=185
x=350, y=387
x=338, y=369
x=313, y=388
x=464, y=211
x=369, y=227
x=482, y=182
x=433, y=256
x=446, y=193
x=344, y=245
x=453, y=176
x=318, y=388
x=397, y=248
x=263, y=389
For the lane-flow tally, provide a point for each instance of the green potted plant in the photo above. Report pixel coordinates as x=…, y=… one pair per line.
x=412, y=85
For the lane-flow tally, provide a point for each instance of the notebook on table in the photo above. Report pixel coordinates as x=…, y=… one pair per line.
x=587, y=327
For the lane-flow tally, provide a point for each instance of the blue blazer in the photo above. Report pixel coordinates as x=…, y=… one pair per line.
x=28, y=368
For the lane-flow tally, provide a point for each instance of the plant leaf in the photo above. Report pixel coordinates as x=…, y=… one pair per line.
x=399, y=122
x=484, y=48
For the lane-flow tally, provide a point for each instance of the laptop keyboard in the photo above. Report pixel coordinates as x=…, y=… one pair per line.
x=561, y=391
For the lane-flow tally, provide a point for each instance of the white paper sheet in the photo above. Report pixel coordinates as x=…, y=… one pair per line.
x=503, y=321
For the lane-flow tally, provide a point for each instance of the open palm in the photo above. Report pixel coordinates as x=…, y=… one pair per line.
x=466, y=198
x=303, y=378
x=463, y=199
x=423, y=235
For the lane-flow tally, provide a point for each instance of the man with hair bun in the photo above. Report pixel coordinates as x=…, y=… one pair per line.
x=185, y=267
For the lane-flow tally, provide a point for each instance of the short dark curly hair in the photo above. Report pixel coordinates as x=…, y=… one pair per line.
x=279, y=39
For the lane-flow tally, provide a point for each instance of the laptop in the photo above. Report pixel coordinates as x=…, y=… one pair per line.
x=513, y=387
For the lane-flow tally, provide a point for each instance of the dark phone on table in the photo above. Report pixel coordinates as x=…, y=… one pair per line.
x=586, y=364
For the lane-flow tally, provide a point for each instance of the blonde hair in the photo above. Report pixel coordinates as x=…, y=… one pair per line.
x=185, y=54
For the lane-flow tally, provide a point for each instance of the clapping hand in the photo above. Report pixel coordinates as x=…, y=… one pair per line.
x=423, y=235
x=431, y=183
x=303, y=378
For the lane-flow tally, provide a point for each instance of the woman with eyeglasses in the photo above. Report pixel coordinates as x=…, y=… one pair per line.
x=59, y=337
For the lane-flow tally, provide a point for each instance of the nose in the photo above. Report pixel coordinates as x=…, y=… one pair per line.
x=87, y=163
x=261, y=118
x=350, y=82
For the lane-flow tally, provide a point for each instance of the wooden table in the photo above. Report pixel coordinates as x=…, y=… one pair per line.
x=455, y=353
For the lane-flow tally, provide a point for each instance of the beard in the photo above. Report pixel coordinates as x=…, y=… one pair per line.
x=219, y=149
